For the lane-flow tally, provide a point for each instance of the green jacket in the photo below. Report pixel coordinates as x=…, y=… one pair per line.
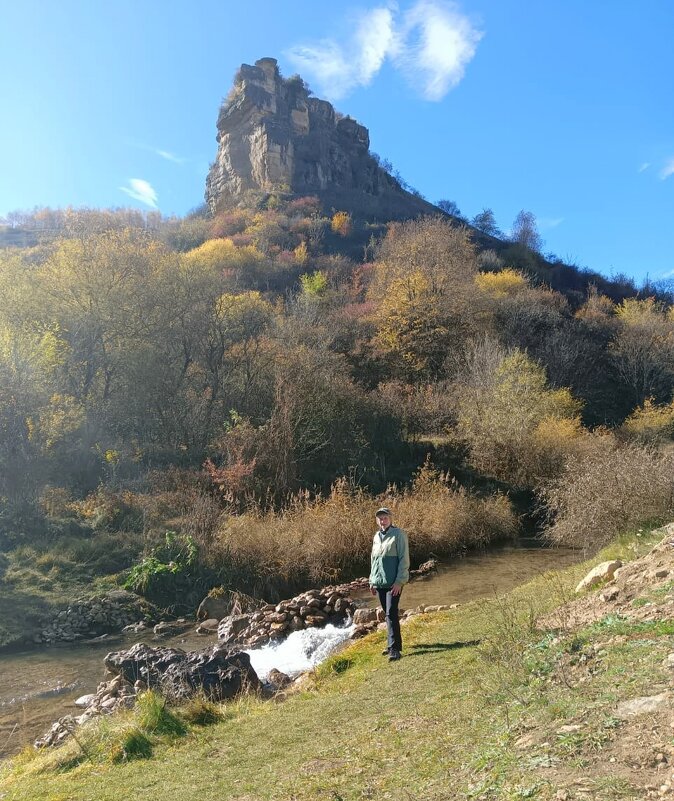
x=390, y=558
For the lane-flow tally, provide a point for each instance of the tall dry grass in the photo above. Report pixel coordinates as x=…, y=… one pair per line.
x=610, y=491
x=328, y=539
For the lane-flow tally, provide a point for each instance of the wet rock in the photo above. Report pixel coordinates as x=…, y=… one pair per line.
x=208, y=626
x=277, y=679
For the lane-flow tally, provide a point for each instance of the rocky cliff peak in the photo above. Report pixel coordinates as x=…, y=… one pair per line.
x=274, y=136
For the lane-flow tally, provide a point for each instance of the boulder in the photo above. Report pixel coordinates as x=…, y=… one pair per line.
x=208, y=626
x=177, y=674
x=599, y=574
x=363, y=616
x=226, y=603
x=231, y=626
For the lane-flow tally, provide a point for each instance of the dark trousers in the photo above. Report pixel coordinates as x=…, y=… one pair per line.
x=389, y=603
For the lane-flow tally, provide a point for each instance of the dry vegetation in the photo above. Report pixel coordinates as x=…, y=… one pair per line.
x=268, y=352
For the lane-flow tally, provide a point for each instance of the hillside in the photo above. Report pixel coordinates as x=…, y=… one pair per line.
x=482, y=706
x=185, y=402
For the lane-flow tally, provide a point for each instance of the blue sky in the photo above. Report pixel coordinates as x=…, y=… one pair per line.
x=560, y=107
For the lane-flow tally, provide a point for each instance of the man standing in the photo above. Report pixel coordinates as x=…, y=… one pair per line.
x=389, y=572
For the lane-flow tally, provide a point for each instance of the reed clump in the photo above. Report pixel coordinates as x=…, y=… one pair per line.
x=328, y=538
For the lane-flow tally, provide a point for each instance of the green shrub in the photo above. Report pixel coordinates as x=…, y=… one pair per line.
x=169, y=572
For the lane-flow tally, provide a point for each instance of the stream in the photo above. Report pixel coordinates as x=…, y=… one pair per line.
x=39, y=686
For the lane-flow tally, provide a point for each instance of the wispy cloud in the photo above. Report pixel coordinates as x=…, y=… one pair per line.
x=644, y=166
x=431, y=44
x=667, y=170
x=545, y=223
x=166, y=154
x=142, y=191
x=341, y=68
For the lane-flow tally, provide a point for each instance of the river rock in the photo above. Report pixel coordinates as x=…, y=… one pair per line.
x=168, y=628
x=208, y=626
x=363, y=616
x=277, y=679
x=231, y=626
x=85, y=700
x=214, y=671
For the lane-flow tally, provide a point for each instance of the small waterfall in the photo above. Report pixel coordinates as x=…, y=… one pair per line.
x=301, y=650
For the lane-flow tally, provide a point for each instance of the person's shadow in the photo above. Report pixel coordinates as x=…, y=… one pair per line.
x=436, y=647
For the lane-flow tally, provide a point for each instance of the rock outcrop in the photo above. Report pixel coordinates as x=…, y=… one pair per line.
x=273, y=136
x=216, y=672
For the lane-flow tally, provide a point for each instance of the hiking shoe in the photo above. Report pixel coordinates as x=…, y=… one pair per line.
x=393, y=655
x=385, y=652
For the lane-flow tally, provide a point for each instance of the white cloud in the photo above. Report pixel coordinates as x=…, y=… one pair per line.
x=644, y=166
x=431, y=43
x=340, y=69
x=545, y=223
x=142, y=191
x=435, y=44
x=166, y=154
x=667, y=170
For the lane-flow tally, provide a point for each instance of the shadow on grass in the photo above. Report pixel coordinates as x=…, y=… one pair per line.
x=436, y=647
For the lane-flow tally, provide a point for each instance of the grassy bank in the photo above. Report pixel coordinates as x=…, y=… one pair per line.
x=482, y=706
x=40, y=579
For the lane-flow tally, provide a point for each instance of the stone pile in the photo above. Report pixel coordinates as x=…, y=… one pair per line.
x=109, y=697
x=91, y=617
x=274, y=622
x=177, y=674
x=360, y=584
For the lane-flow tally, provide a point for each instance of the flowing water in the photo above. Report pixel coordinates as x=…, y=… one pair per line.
x=37, y=687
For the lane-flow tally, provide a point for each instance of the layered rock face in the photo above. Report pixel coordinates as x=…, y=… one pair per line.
x=272, y=136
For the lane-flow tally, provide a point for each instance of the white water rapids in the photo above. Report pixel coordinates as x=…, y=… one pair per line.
x=301, y=650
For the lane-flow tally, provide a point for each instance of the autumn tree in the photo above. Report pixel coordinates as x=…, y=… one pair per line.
x=643, y=349
x=515, y=426
x=423, y=285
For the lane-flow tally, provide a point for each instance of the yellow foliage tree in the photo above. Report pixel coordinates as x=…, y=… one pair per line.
x=341, y=223
x=650, y=423
x=505, y=283
x=413, y=325
x=516, y=427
